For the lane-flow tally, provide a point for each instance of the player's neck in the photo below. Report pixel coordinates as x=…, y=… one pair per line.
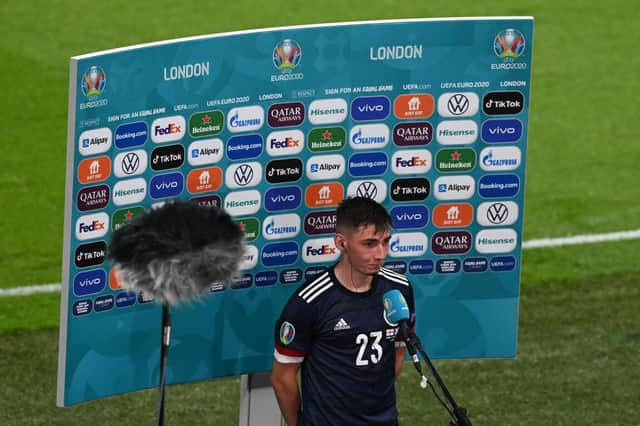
x=351, y=279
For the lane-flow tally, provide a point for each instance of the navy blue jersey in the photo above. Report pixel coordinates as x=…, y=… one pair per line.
x=346, y=347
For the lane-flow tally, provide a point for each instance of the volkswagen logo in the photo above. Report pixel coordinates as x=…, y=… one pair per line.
x=243, y=175
x=458, y=104
x=130, y=163
x=367, y=189
x=497, y=213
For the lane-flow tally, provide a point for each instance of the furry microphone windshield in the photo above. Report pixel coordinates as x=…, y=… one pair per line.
x=175, y=252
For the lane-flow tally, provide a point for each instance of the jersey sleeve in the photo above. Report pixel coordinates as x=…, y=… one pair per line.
x=293, y=331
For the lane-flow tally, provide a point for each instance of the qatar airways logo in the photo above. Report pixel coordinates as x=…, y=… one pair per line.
x=408, y=244
x=320, y=250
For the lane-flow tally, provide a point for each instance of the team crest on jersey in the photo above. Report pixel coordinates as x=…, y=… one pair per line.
x=390, y=333
x=287, y=333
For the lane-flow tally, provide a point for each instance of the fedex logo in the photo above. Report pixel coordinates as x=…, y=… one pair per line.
x=286, y=142
x=320, y=250
x=168, y=129
x=411, y=161
x=92, y=226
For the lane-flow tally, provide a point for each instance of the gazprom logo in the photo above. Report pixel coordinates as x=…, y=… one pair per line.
x=501, y=131
x=408, y=244
x=370, y=108
x=285, y=198
x=319, y=250
x=281, y=226
x=278, y=254
x=369, y=136
x=245, y=119
x=407, y=217
x=500, y=159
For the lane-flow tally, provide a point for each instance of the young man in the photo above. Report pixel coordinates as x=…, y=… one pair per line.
x=334, y=327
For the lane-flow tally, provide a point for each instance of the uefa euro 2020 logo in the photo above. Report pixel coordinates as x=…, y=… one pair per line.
x=509, y=44
x=287, y=55
x=94, y=81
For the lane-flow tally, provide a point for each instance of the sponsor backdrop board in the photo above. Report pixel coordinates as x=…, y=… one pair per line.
x=428, y=117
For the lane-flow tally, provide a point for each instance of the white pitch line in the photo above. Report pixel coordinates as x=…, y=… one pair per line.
x=530, y=244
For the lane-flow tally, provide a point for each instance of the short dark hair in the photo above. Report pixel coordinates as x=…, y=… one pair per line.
x=355, y=212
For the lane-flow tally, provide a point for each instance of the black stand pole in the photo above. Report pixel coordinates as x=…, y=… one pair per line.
x=459, y=413
x=164, y=349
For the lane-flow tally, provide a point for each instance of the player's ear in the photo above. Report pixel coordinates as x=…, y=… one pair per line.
x=340, y=242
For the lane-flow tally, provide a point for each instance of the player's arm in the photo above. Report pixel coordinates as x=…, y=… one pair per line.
x=401, y=350
x=285, y=386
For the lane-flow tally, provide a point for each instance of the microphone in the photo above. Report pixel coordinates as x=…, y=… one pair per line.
x=397, y=312
x=175, y=252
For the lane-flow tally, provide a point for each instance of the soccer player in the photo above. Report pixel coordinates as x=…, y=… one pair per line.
x=334, y=328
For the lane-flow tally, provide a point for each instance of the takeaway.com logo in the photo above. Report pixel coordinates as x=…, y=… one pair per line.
x=168, y=129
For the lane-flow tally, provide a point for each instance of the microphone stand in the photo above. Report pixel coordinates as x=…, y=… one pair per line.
x=164, y=349
x=459, y=413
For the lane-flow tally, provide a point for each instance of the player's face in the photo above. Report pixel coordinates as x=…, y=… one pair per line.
x=367, y=248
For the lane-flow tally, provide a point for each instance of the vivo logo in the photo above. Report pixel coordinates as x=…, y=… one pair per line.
x=406, y=217
x=89, y=282
x=501, y=131
x=370, y=108
x=286, y=198
x=167, y=185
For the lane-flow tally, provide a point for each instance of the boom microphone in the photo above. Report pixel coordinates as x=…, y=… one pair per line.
x=397, y=311
x=175, y=252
